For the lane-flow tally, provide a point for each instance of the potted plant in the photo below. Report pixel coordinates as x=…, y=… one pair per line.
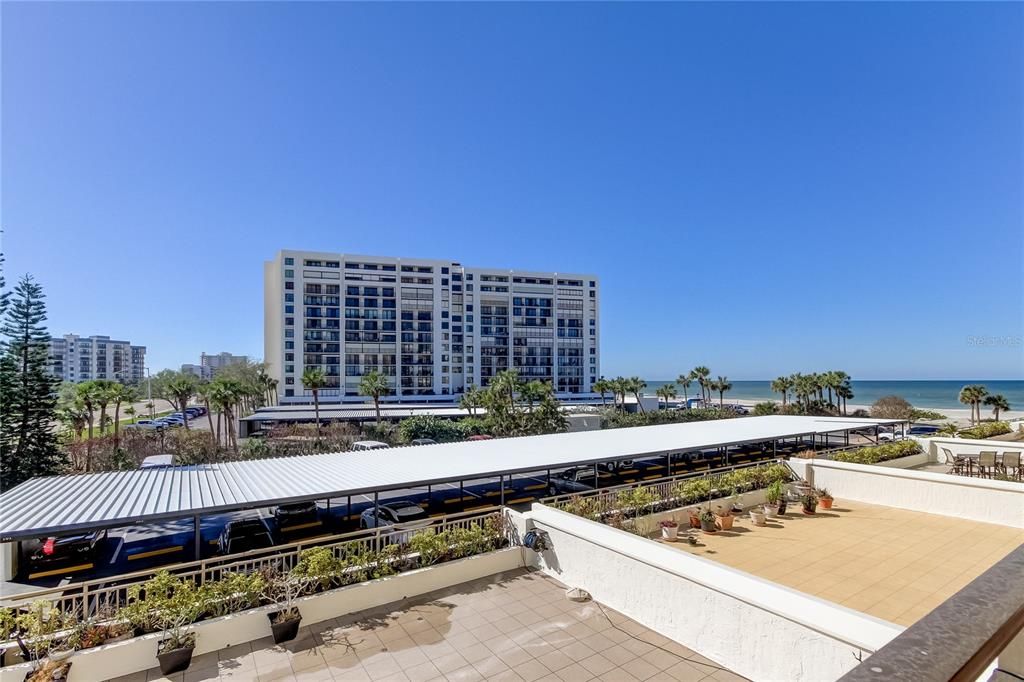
x=772, y=496
x=40, y=624
x=707, y=521
x=723, y=517
x=176, y=604
x=757, y=516
x=285, y=588
x=694, y=518
x=824, y=498
x=809, y=503
x=669, y=530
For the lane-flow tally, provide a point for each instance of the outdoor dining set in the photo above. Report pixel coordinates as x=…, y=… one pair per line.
x=985, y=464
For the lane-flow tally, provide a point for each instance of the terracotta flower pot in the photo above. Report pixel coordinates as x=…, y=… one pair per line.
x=694, y=521
x=825, y=502
x=724, y=522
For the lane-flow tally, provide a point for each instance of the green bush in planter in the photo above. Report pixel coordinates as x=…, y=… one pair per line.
x=879, y=453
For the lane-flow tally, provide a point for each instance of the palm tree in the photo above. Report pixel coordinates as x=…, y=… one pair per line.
x=665, y=392
x=471, y=400
x=998, y=403
x=313, y=378
x=634, y=385
x=204, y=393
x=102, y=396
x=782, y=385
x=845, y=391
x=602, y=386
x=973, y=395
x=722, y=385
x=700, y=375
x=949, y=429
x=374, y=384
x=120, y=393
x=685, y=380
x=87, y=392
x=150, y=406
x=131, y=412
x=179, y=391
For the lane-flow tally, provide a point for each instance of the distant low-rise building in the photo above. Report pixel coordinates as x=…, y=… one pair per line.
x=211, y=363
x=83, y=358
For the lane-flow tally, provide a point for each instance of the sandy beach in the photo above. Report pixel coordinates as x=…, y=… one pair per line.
x=959, y=415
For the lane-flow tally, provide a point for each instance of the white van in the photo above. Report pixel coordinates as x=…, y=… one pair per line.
x=369, y=445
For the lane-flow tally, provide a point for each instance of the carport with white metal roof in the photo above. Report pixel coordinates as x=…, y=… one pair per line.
x=107, y=500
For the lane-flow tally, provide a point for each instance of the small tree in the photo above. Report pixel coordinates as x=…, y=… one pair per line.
x=892, y=407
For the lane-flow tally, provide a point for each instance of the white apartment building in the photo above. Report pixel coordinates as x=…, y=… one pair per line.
x=433, y=326
x=211, y=363
x=82, y=358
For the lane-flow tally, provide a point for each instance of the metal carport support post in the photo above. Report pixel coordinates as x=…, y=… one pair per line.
x=595, y=475
x=196, y=527
x=501, y=478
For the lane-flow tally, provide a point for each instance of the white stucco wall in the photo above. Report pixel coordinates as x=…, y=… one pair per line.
x=977, y=499
x=134, y=655
x=755, y=627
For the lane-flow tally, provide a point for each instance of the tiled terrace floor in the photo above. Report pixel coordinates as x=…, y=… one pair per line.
x=891, y=563
x=514, y=626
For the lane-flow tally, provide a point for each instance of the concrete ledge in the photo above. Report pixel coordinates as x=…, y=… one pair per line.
x=139, y=653
x=976, y=499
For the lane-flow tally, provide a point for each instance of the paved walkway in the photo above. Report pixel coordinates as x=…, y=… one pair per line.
x=513, y=627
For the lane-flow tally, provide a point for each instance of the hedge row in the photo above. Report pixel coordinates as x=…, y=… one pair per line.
x=879, y=453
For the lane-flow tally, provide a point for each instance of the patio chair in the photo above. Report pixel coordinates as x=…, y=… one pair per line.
x=987, y=463
x=957, y=465
x=1010, y=466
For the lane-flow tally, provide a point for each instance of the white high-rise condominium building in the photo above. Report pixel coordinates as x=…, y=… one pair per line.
x=82, y=358
x=211, y=363
x=433, y=327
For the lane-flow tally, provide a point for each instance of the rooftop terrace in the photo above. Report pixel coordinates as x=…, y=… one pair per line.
x=890, y=563
x=512, y=626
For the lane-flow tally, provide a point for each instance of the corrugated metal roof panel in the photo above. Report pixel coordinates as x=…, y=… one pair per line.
x=64, y=503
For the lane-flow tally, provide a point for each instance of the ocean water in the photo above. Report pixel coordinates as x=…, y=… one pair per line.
x=921, y=394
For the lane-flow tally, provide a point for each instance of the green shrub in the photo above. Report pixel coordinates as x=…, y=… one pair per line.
x=926, y=415
x=436, y=428
x=986, y=430
x=879, y=453
x=763, y=409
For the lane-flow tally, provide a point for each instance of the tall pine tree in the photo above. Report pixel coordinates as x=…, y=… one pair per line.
x=28, y=394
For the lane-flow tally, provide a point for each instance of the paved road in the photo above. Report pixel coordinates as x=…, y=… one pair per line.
x=146, y=546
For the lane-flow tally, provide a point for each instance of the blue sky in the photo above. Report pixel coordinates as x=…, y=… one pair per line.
x=763, y=188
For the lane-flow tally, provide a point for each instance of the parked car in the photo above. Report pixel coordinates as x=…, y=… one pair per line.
x=244, y=535
x=574, y=480
x=423, y=441
x=481, y=436
x=287, y=514
x=401, y=513
x=193, y=412
x=79, y=547
x=146, y=425
x=737, y=409
x=369, y=445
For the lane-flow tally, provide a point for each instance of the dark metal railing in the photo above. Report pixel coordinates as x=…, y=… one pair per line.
x=961, y=638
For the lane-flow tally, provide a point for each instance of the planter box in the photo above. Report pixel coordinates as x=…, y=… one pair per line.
x=139, y=653
x=905, y=462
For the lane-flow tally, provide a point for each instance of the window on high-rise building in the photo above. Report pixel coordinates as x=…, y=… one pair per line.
x=289, y=261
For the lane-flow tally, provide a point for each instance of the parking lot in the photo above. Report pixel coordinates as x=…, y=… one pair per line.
x=145, y=546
